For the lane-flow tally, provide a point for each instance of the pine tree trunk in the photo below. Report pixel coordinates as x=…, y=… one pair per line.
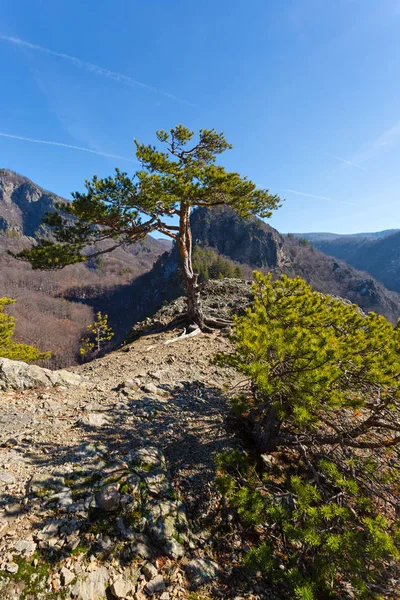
x=184, y=241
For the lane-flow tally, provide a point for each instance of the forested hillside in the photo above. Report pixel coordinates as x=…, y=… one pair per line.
x=380, y=256
x=53, y=308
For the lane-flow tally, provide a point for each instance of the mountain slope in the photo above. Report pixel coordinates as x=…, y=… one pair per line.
x=326, y=236
x=53, y=308
x=259, y=245
x=380, y=256
x=256, y=245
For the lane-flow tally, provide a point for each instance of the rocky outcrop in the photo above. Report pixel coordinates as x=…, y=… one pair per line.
x=23, y=204
x=17, y=375
x=249, y=241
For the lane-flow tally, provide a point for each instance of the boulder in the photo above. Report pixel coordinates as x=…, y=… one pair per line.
x=108, y=498
x=17, y=375
x=200, y=571
x=92, y=587
x=121, y=588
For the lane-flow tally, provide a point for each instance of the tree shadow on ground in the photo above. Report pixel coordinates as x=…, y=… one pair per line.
x=185, y=421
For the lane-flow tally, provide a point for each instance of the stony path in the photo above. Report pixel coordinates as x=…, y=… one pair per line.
x=57, y=446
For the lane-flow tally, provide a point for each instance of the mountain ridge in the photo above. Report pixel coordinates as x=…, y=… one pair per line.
x=133, y=282
x=378, y=256
x=322, y=236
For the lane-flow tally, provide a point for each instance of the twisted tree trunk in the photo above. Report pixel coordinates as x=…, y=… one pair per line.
x=195, y=314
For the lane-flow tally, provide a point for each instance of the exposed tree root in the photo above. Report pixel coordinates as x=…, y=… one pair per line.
x=209, y=323
x=217, y=323
x=183, y=336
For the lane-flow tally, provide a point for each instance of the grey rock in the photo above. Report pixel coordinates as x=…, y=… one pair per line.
x=157, y=483
x=108, y=498
x=6, y=477
x=200, y=571
x=125, y=532
x=12, y=567
x=150, y=388
x=50, y=530
x=44, y=484
x=94, y=420
x=25, y=547
x=150, y=455
x=149, y=570
x=67, y=576
x=17, y=375
x=142, y=550
x=163, y=529
x=91, y=587
x=64, y=498
x=173, y=548
x=155, y=585
x=121, y=587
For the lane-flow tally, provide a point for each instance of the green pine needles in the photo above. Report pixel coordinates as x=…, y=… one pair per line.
x=323, y=407
x=9, y=348
x=100, y=335
x=177, y=175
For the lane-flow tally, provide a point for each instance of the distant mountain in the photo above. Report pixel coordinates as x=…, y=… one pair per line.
x=256, y=245
x=379, y=256
x=259, y=245
x=325, y=236
x=54, y=308
x=44, y=315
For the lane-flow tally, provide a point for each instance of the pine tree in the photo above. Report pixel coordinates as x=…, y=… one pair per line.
x=100, y=335
x=209, y=265
x=323, y=408
x=124, y=210
x=9, y=348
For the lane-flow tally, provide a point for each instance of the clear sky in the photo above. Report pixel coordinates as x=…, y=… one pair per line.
x=307, y=91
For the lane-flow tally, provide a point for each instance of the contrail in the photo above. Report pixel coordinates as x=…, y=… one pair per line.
x=48, y=143
x=346, y=162
x=319, y=197
x=96, y=69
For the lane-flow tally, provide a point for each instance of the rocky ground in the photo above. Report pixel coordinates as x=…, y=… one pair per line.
x=106, y=487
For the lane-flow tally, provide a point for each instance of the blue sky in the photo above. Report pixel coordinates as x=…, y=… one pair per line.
x=307, y=91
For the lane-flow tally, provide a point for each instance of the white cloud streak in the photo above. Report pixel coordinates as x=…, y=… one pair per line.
x=71, y=147
x=388, y=138
x=319, y=197
x=346, y=162
x=96, y=69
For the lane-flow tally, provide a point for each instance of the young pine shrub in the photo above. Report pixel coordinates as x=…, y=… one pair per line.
x=100, y=335
x=8, y=347
x=323, y=408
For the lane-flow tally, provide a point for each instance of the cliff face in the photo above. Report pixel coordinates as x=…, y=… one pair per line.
x=23, y=204
x=250, y=241
x=254, y=243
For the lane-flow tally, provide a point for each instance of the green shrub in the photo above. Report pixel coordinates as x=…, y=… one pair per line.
x=323, y=405
x=9, y=348
x=100, y=334
x=210, y=265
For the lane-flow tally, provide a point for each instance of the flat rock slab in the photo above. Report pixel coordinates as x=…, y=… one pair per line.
x=17, y=375
x=91, y=587
x=95, y=419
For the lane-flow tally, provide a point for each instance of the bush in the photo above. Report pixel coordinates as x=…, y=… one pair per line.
x=100, y=335
x=9, y=348
x=323, y=405
x=210, y=265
